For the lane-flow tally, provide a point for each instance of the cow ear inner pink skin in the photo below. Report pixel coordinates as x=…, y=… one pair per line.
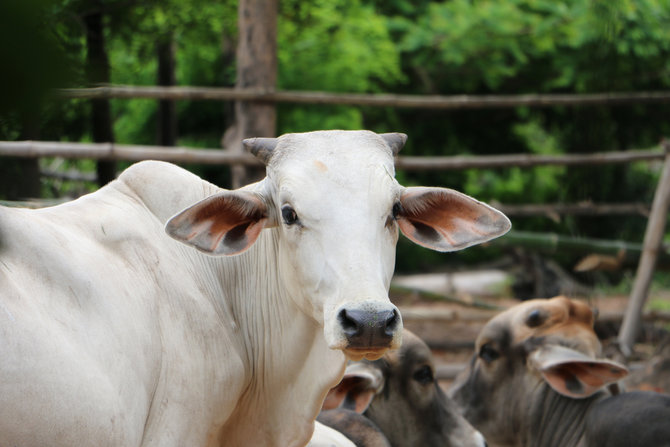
x=227, y=223
x=577, y=377
x=359, y=386
x=446, y=220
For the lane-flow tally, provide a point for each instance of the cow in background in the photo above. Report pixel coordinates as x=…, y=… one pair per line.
x=112, y=333
x=536, y=380
x=396, y=401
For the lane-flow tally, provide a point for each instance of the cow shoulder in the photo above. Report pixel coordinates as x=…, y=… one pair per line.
x=637, y=418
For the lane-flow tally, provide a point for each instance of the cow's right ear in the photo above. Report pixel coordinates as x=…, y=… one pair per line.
x=226, y=223
x=574, y=374
x=361, y=382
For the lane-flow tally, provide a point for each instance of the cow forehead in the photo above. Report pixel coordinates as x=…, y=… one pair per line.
x=328, y=140
x=357, y=163
x=560, y=318
x=332, y=152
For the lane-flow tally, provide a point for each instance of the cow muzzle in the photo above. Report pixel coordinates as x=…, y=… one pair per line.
x=367, y=329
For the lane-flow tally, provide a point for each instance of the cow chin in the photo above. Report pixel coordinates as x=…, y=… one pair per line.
x=367, y=354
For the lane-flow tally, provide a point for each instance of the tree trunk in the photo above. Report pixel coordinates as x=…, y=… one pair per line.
x=256, y=67
x=19, y=176
x=97, y=64
x=167, y=110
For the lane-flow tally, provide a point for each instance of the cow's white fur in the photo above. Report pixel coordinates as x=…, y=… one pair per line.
x=112, y=333
x=122, y=336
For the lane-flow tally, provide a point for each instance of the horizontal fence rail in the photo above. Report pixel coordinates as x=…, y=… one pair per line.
x=574, y=209
x=364, y=99
x=113, y=151
x=458, y=162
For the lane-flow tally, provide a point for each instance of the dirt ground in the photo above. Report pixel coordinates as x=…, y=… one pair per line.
x=450, y=329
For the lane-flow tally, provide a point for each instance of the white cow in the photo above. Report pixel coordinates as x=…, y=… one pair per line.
x=113, y=333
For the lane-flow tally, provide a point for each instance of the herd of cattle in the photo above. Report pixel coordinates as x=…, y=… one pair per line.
x=162, y=310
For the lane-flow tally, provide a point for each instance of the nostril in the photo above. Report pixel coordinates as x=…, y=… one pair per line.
x=367, y=326
x=349, y=325
x=391, y=323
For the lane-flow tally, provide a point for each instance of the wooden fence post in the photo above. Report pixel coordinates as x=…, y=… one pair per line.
x=653, y=239
x=256, y=67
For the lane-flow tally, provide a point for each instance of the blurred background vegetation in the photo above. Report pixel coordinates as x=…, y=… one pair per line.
x=396, y=46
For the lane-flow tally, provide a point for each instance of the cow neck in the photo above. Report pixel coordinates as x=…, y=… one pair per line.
x=284, y=350
x=556, y=420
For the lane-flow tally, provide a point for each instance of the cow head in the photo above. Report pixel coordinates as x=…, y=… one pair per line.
x=334, y=208
x=532, y=350
x=400, y=394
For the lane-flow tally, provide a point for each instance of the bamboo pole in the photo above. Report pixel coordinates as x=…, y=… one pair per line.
x=553, y=243
x=653, y=239
x=113, y=151
x=363, y=99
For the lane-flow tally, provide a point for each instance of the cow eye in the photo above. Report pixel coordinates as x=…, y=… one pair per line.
x=397, y=209
x=395, y=212
x=423, y=375
x=488, y=353
x=289, y=215
x=535, y=318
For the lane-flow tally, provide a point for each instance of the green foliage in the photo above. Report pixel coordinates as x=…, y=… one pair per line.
x=332, y=45
x=28, y=51
x=197, y=28
x=396, y=46
x=538, y=185
x=495, y=45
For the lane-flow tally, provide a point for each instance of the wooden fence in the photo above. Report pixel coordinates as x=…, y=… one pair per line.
x=657, y=215
x=113, y=151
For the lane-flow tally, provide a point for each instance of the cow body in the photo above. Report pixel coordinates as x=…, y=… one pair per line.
x=536, y=380
x=116, y=336
x=396, y=401
x=113, y=333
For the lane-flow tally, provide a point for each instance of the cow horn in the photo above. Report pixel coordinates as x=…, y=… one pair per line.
x=261, y=148
x=395, y=140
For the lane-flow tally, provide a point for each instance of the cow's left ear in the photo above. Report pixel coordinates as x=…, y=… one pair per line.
x=446, y=220
x=226, y=223
x=357, y=388
x=574, y=374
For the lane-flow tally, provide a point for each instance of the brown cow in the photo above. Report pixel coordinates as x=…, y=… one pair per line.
x=535, y=380
x=400, y=400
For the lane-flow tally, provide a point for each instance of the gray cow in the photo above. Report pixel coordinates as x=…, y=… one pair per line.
x=396, y=401
x=535, y=380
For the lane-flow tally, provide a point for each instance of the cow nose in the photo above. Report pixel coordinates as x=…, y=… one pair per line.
x=365, y=328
